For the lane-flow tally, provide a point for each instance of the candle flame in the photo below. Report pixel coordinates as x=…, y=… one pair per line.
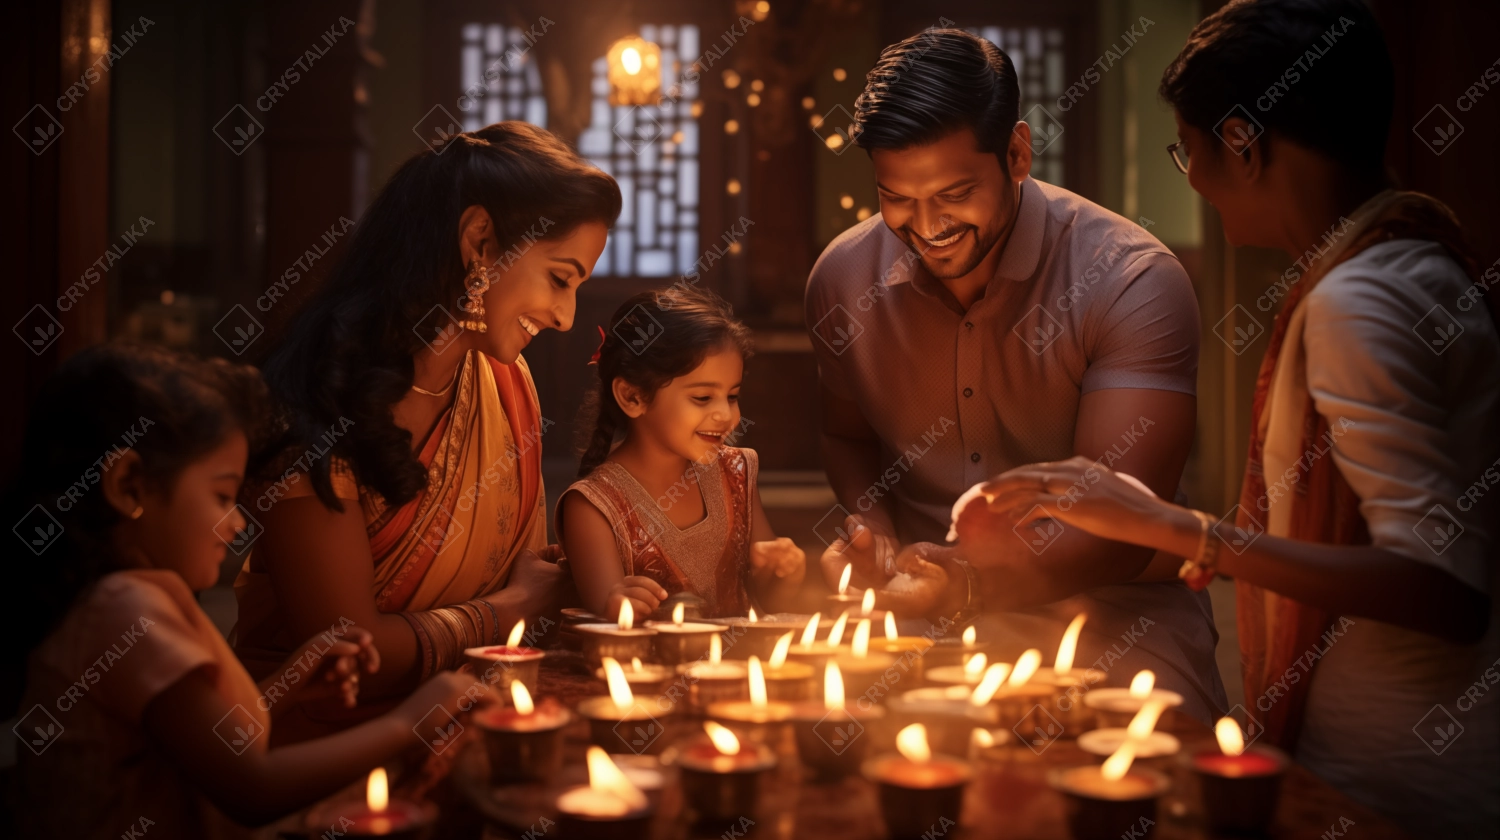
x=753, y=617
x=522, y=698
x=1140, y=687
x=810, y=634
x=844, y=578
x=1145, y=720
x=619, y=688
x=715, y=649
x=890, y=626
x=981, y=737
x=630, y=59
x=783, y=645
x=911, y=742
x=860, y=644
x=605, y=776
x=757, y=683
x=1067, y=649
x=836, y=634
x=1231, y=739
x=724, y=740
x=627, y=614
x=867, y=603
x=1116, y=766
x=975, y=666
x=679, y=613
x=635, y=663
x=516, y=633
x=993, y=677
x=970, y=636
x=1025, y=667
x=833, y=687
x=377, y=790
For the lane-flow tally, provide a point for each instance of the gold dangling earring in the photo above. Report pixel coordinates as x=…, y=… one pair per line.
x=136, y=514
x=476, y=282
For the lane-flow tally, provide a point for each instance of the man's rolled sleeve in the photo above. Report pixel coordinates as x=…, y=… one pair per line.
x=1147, y=335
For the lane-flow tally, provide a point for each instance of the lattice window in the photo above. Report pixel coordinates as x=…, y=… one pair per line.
x=1038, y=56
x=500, y=78
x=652, y=152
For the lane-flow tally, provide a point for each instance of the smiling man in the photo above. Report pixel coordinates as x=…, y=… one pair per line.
x=985, y=320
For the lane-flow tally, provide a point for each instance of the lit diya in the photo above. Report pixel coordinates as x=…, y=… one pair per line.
x=499, y=665
x=1240, y=785
x=715, y=680
x=829, y=735
x=379, y=816
x=524, y=742
x=1022, y=705
x=843, y=600
x=1109, y=799
x=789, y=682
x=910, y=651
x=814, y=652
x=1069, y=683
x=920, y=793
x=759, y=710
x=720, y=776
x=755, y=635
x=610, y=806
x=949, y=713
x=862, y=670
x=950, y=651
x=644, y=678
x=679, y=640
x=620, y=641
x=619, y=720
x=967, y=674
x=1116, y=706
x=1149, y=744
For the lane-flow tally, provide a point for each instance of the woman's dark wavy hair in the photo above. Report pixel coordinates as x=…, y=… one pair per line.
x=170, y=408
x=348, y=353
x=688, y=324
x=933, y=84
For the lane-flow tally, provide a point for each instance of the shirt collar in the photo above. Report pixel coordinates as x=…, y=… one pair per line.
x=1022, y=250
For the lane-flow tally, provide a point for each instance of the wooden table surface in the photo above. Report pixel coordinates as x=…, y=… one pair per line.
x=1008, y=799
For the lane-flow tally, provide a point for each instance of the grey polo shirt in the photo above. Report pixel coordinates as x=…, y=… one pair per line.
x=1082, y=300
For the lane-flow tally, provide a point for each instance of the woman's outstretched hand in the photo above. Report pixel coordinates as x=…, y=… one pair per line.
x=1077, y=492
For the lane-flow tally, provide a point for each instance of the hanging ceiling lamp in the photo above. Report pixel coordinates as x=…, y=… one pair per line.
x=634, y=72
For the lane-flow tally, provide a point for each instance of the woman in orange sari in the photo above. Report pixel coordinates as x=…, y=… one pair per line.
x=407, y=495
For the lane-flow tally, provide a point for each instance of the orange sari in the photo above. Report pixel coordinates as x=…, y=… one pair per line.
x=456, y=540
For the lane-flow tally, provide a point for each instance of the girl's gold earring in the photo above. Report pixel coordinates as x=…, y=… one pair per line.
x=136, y=514
x=476, y=282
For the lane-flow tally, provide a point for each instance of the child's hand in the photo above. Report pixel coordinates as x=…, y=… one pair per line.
x=324, y=671
x=780, y=557
x=644, y=593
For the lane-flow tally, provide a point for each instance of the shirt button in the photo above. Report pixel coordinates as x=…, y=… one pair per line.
x=968, y=392
x=974, y=457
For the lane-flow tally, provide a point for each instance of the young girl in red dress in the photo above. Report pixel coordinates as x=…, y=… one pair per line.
x=674, y=506
x=134, y=707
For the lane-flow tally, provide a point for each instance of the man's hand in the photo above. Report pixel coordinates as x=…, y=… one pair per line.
x=871, y=552
x=922, y=585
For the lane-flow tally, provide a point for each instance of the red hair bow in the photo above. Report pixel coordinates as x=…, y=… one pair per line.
x=594, y=359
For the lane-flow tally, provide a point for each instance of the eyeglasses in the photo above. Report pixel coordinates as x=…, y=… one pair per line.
x=1179, y=154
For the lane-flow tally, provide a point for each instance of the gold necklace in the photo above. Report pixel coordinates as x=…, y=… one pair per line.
x=438, y=393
